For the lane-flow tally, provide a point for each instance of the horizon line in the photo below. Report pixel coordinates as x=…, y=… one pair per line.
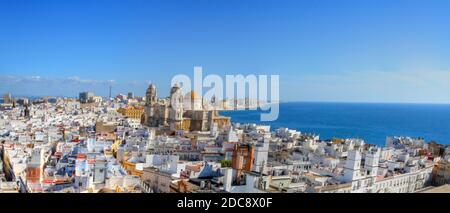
x=281, y=101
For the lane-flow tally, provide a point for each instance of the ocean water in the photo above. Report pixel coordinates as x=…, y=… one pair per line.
x=369, y=121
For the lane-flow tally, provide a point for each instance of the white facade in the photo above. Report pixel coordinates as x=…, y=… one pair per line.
x=261, y=156
x=352, y=168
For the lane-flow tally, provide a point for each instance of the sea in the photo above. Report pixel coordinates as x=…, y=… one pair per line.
x=372, y=122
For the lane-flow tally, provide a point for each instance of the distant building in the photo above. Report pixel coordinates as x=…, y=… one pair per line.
x=86, y=97
x=23, y=101
x=7, y=98
x=133, y=112
x=130, y=95
x=96, y=99
x=121, y=97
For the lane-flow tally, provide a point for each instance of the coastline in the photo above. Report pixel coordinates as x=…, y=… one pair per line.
x=372, y=122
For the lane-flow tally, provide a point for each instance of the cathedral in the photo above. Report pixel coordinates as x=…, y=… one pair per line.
x=180, y=112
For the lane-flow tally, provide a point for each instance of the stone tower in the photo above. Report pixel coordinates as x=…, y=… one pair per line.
x=176, y=108
x=151, y=99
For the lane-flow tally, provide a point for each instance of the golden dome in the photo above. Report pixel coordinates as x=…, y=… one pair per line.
x=193, y=95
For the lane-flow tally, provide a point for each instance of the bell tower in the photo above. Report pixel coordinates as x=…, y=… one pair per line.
x=352, y=168
x=371, y=161
x=151, y=99
x=176, y=107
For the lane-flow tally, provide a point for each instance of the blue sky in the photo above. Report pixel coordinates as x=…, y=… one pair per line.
x=358, y=51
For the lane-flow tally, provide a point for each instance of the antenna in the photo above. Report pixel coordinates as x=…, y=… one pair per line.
x=110, y=87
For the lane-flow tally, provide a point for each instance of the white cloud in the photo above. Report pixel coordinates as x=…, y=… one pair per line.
x=35, y=78
x=78, y=80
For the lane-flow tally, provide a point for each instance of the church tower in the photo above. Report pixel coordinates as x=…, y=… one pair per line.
x=176, y=108
x=151, y=100
x=371, y=161
x=26, y=112
x=352, y=168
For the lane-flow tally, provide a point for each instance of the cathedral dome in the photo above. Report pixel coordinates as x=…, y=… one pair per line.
x=193, y=95
x=192, y=100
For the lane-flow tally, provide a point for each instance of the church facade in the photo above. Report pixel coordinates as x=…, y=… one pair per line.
x=180, y=112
